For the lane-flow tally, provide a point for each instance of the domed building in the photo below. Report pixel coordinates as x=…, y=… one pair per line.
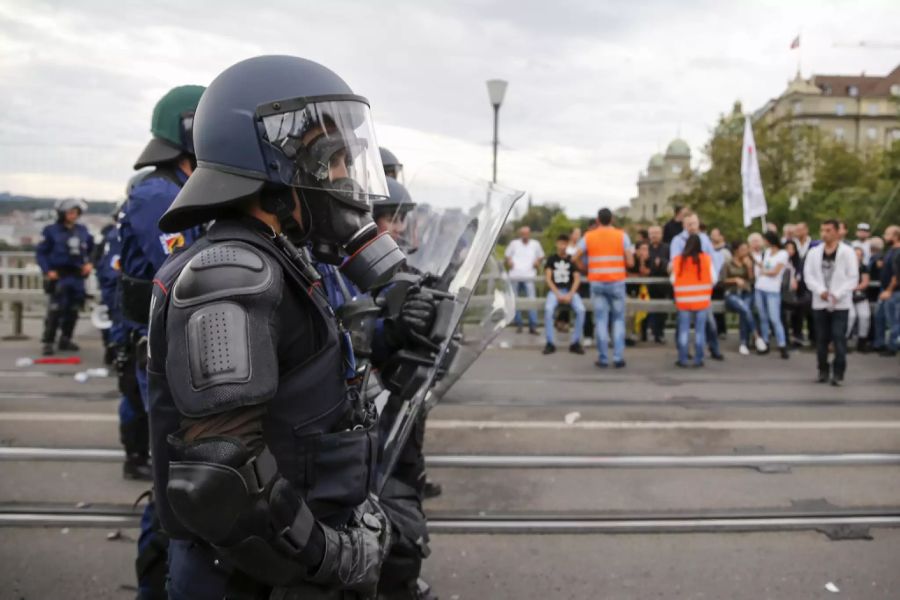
x=663, y=179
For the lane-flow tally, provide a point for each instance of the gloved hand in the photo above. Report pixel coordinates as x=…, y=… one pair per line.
x=353, y=556
x=414, y=323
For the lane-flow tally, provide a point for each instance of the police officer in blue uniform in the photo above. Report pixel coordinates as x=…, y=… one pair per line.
x=264, y=449
x=134, y=431
x=64, y=257
x=144, y=248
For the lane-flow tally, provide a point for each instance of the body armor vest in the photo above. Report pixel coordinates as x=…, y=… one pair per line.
x=320, y=443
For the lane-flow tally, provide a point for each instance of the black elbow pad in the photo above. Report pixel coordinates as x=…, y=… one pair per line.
x=234, y=508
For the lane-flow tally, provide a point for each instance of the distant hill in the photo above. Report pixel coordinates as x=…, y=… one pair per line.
x=10, y=202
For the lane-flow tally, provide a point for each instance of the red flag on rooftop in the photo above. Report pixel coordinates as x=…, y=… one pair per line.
x=795, y=43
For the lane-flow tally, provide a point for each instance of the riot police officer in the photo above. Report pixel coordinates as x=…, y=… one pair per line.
x=393, y=168
x=144, y=248
x=133, y=425
x=263, y=448
x=64, y=258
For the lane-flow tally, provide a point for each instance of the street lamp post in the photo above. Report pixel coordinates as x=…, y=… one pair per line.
x=496, y=91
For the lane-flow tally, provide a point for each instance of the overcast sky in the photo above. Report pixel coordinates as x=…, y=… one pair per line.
x=595, y=87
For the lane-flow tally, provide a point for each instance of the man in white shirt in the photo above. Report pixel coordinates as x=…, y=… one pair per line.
x=831, y=273
x=802, y=239
x=523, y=257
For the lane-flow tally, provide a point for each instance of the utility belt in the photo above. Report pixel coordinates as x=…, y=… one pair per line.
x=134, y=298
x=68, y=271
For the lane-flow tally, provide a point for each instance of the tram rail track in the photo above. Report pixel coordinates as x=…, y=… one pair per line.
x=540, y=461
x=836, y=522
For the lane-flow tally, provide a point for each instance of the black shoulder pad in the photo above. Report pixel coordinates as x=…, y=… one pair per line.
x=221, y=330
x=222, y=271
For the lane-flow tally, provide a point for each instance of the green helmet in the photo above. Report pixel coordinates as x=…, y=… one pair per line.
x=172, y=126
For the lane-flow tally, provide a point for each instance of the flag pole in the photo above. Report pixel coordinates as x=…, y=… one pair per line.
x=762, y=219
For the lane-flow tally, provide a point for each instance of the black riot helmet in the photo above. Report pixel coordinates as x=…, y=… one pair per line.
x=393, y=168
x=393, y=216
x=280, y=128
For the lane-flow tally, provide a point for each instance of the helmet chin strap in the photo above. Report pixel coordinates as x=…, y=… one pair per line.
x=280, y=202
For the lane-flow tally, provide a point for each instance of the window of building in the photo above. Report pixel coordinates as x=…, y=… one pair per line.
x=873, y=109
x=839, y=109
x=826, y=89
x=895, y=134
x=839, y=133
x=654, y=211
x=852, y=91
x=871, y=133
x=676, y=169
x=895, y=89
x=797, y=107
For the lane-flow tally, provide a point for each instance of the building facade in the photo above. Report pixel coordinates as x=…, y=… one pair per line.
x=863, y=111
x=665, y=176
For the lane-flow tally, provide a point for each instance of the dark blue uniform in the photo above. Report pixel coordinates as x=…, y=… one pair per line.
x=144, y=248
x=65, y=250
x=132, y=416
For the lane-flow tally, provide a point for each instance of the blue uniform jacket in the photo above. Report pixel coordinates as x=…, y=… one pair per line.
x=144, y=246
x=64, y=248
x=107, y=268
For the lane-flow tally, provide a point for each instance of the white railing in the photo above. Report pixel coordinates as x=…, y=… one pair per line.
x=21, y=280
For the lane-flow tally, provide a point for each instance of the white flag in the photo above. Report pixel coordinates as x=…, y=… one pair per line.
x=754, y=197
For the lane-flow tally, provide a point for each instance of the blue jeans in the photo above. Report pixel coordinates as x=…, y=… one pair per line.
x=892, y=314
x=701, y=317
x=526, y=289
x=741, y=303
x=712, y=334
x=768, y=305
x=577, y=306
x=609, y=302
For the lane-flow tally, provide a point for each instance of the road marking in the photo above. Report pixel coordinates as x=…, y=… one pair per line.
x=451, y=424
x=663, y=425
x=66, y=417
x=533, y=461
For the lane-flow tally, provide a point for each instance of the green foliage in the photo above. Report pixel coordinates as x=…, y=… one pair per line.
x=826, y=178
x=539, y=216
x=559, y=224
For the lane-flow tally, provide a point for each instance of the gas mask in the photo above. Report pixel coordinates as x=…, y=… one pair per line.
x=325, y=148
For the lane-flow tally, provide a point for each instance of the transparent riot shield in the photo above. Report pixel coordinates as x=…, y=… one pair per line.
x=491, y=308
x=458, y=221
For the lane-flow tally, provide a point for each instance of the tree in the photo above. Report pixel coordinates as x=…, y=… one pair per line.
x=806, y=177
x=559, y=224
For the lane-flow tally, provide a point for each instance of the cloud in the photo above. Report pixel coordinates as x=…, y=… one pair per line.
x=595, y=87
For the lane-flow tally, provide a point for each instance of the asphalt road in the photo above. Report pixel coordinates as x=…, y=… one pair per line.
x=516, y=401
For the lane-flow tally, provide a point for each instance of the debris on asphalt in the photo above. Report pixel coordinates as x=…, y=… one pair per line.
x=572, y=417
x=83, y=505
x=832, y=588
x=114, y=535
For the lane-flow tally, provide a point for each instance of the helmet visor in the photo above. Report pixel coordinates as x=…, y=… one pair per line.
x=401, y=222
x=326, y=143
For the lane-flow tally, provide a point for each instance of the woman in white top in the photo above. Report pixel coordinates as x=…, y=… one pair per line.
x=768, y=292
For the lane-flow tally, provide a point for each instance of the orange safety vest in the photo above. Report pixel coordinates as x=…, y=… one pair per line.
x=693, y=290
x=606, y=254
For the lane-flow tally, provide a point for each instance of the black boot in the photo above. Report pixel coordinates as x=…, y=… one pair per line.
x=432, y=489
x=67, y=345
x=137, y=467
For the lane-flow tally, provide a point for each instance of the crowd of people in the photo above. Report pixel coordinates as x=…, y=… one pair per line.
x=787, y=289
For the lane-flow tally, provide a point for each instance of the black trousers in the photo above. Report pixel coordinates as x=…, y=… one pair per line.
x=831, y=328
